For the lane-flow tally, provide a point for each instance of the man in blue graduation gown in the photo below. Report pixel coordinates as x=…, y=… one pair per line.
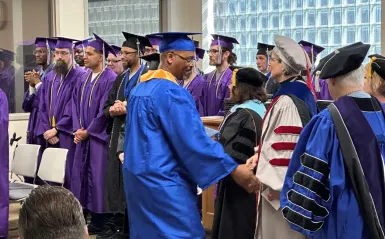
x=90, y=134
x=55, y=119
x=334, y=187
x=4, y=166
x=167, y=152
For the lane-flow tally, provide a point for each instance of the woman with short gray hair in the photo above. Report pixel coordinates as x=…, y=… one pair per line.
x=290, y=110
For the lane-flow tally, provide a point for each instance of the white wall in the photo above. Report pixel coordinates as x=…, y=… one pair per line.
x=70, y=18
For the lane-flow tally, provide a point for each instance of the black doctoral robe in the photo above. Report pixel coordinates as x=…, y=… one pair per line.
x=114, y=190
x=235, y=209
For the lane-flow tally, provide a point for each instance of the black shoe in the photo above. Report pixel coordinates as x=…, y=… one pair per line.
x=105, y=234
x=93, y=230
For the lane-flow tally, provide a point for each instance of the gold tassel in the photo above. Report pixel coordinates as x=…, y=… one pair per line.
x=370, y=71
x=234, y=77
x=53, y=122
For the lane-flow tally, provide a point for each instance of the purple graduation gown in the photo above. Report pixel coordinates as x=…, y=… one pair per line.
x=212, y=99
x=324, y=90
x=89, y=166
x=61, y=109
x=195, y=88
x=4, y=165
x=7, y=84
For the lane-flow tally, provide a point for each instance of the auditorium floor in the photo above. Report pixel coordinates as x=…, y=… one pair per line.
x=14, y=216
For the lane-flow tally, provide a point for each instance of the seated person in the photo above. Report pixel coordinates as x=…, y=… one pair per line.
x=52, y=212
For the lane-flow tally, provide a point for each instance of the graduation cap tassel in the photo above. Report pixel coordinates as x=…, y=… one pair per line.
x=370, y=71
x=316, y=83
x=104, y=57
x=220, y=52
x=308, y=80
x=312, y=58
x=138, y=47
x=48, y=52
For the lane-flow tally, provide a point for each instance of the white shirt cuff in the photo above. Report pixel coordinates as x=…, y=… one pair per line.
x=32, y=90
x=38, y=85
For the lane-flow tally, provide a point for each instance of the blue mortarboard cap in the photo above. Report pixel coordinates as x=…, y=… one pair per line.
x=116, y=48
x=82, y=43
x=307, y=46
x=99, y=44
x=176, y=41
x=63, y=42
x=224, y=41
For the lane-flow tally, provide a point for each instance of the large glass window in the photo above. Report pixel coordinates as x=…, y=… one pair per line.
x=329, y=23
x=24, y=20
x=109, y=17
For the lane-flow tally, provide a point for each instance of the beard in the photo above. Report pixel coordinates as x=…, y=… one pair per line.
x=61, y=67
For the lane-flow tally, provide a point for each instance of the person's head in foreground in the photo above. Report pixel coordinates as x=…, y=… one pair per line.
x=344, y=70
x=247, y=85
x=177, y=53
x=51, y=213
x=375, y=77
x=288, y=59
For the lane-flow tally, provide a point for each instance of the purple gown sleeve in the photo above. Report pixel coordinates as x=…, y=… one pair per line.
x=4, y=165
x=44, y=122
x=28, y=102
x=97, y=127
x=74, y=109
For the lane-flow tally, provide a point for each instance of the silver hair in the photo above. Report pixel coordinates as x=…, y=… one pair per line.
x=354, y=78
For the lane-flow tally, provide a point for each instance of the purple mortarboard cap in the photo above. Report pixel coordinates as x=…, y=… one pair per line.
x=44, y=41
x=176, y=41
x=307, y=46
x=116, y=48
x=199, y=52
x=6, y=55
x=154, y=40
x=223, y=41
x=63, y=42
x=263, y=48
x=82, y=43
x=99, y=44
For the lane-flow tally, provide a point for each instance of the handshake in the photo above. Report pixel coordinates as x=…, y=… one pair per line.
x=244, y=175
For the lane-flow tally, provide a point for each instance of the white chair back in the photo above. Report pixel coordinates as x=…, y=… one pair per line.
x=25, y=161
x=53, y=164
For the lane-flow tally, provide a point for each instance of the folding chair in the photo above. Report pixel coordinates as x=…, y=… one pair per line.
x=24, y=164
x=52, y=166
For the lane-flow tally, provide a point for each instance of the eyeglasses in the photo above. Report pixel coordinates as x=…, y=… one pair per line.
x=63, y=53
x=112, y=61
x=189, y=61
x=212, y=51
x=40, y=52
x=126, y=53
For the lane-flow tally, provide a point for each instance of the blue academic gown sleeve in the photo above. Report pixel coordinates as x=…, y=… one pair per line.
x=203, y=158
x=316, y=199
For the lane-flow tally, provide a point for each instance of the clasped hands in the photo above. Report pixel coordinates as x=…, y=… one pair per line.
x=80, y=135
x=51, y=136
x=32, y=77
x=117, y=109
x=244, y=175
